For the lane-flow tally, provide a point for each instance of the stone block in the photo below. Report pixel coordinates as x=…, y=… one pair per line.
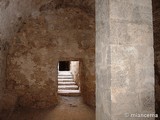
x=147, y=101
x=130, y=12
x=142, y=3
x=104, y=77
x=123, y=33
x=100, y=111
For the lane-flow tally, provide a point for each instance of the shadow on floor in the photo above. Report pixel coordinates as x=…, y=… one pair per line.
x=69, y=108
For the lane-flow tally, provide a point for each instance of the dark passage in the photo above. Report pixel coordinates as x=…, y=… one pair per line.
x=156, y=28
x=64, y=65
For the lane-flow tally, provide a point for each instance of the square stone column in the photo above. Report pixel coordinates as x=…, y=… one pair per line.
x=124, y=59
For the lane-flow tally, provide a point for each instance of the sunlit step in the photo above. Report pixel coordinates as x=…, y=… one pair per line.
x=64, y=73
x=69, y=92
x=66, y=87
x=65, y=80
x=65, y=77
x=66, y=83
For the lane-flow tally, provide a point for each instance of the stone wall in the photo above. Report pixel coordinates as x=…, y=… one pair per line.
x=42, y=41
x=12, y=15
x=86, y=5
x=124, y=59
x=75, y=69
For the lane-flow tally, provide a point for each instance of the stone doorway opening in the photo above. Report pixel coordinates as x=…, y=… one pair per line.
x=69, y=78
x=64, y=66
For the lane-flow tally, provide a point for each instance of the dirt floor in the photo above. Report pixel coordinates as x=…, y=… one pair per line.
x=69, y=108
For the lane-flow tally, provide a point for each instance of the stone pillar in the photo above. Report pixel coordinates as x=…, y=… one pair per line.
x=124, y=59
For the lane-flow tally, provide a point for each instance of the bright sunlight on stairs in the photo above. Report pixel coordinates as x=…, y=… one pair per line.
x=66, y=84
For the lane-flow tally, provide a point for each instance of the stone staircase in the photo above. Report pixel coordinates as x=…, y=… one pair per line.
x=66, y=84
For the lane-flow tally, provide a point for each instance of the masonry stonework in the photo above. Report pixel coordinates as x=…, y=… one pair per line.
x=124, y=59
x=36, y=34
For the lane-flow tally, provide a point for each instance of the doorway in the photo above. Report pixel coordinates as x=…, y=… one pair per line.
x=69, y=78
x=64, y=65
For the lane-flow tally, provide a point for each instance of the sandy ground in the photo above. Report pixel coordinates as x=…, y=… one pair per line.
x=69, y=108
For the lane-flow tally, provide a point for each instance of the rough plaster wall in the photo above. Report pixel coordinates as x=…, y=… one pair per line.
x=9, y=15
x=12, y=15
x=74, y=67
x=86, y=5
x=124, y=59
x=156, y=24
x=66, y=33
x=88, y=84
x=13, y=12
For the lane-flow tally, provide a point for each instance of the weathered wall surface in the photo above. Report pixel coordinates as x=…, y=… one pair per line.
x=43, y=40
x=13, y=12
x=75, y=69
x=124, y=59
x=156, y=24
x=12, y=15
x=103, y=61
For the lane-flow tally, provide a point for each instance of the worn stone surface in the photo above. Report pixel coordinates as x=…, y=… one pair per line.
x=13, y=13
x=72, y=107
x=86, y=5
x=124, y=58
x=67, y=33
x=130, y=21
x=76, y=71
x=8, y=101
x=103, y=60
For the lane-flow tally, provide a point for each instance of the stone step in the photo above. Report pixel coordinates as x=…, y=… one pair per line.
x=65, y=80
x=66, y=83
x=64, y=73
x=65, y=77
x=69, y=92
x=68, y=87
